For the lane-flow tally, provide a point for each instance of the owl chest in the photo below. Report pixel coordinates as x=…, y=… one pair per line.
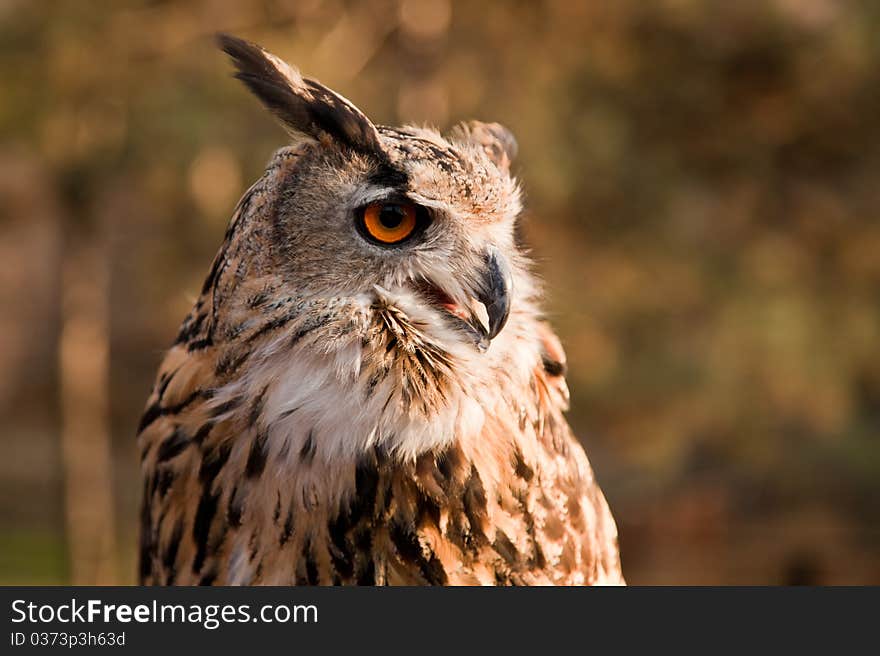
x=370, y=524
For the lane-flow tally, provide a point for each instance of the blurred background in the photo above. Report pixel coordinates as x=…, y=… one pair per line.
x=703, y=191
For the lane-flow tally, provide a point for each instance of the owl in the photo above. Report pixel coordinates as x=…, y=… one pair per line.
x=365, y=392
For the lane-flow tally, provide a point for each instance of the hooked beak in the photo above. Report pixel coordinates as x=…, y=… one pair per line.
x=495, y=291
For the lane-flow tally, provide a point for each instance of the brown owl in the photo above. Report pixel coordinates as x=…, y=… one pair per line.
x=364, y=392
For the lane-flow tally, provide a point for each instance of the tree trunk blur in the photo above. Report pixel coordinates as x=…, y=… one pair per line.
x=85, y=435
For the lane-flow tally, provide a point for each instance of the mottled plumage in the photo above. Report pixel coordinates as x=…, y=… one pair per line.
x=337, y=409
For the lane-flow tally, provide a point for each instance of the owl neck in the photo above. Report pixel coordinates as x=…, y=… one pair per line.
x=337, y=385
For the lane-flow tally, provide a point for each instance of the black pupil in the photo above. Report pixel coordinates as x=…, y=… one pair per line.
x=391, y=216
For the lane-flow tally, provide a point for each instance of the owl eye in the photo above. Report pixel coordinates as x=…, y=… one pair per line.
x=390, y=222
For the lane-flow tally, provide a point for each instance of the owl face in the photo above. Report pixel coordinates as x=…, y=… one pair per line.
x=399, y=215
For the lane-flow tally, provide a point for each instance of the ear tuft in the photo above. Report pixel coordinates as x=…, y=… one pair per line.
x=305, y=107
x=497, y=141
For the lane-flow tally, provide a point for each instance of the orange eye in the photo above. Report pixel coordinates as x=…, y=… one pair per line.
x=388, y=222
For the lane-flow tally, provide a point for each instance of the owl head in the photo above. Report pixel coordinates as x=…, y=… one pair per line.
x=368, y=209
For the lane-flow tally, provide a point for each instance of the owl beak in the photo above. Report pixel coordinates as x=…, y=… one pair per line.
x=495, y=290
x=483, y=314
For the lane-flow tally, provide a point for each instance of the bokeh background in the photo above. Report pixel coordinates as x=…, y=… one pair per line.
x=703, y=188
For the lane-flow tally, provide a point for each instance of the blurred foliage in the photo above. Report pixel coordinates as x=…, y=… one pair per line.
x=702, y=190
